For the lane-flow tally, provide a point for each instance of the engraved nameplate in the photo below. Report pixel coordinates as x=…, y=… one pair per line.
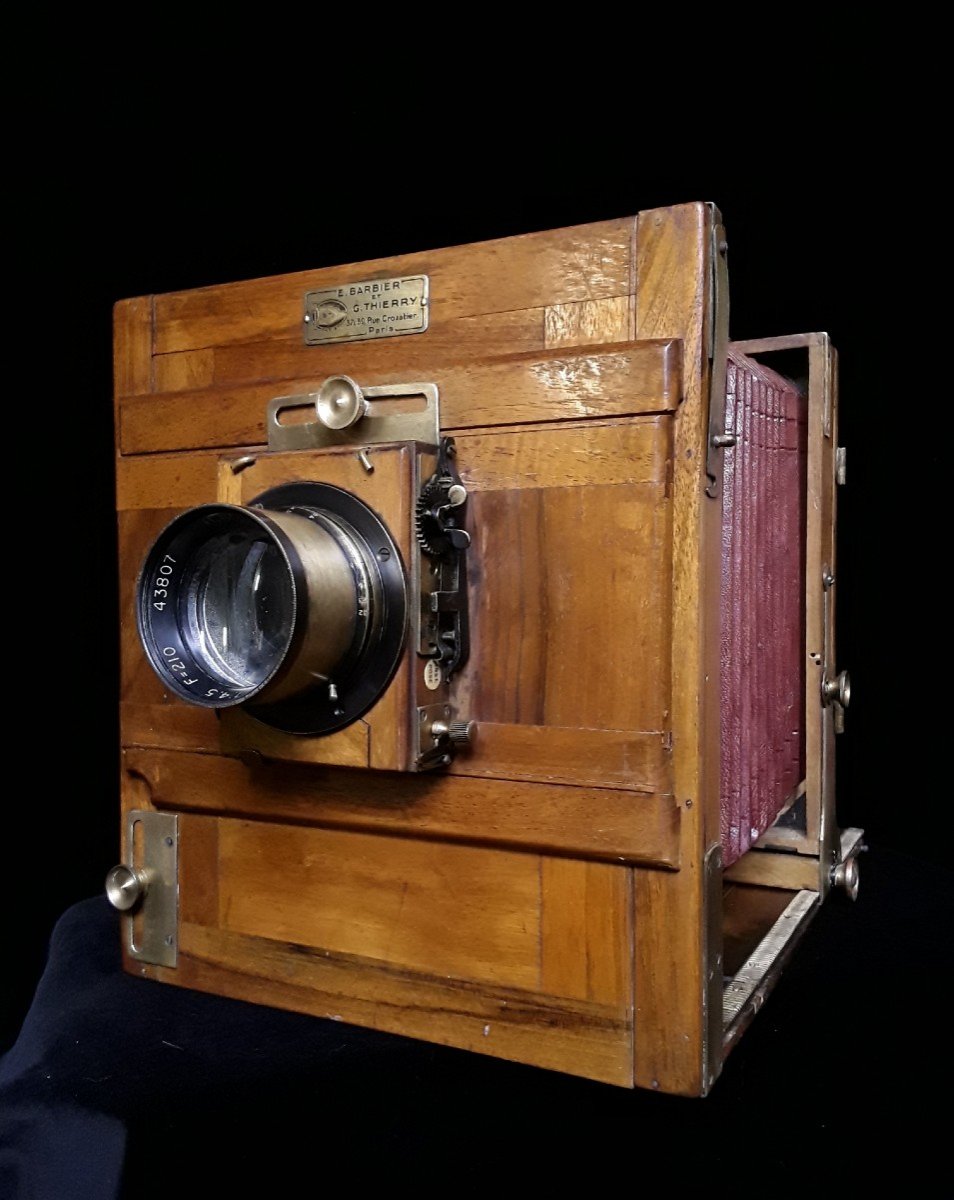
x=373, y=308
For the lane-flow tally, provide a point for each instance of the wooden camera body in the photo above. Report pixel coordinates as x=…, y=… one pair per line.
x=571, y=716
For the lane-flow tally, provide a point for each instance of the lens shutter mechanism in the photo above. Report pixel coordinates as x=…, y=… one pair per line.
x=295, y=606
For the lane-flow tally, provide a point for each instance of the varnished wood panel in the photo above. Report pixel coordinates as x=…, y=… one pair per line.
x=446, y=341
x=516, y=920
x=386, y=490
x=668, y=1010
x=349, y=747
x=579, y=1037
x=586, y=939
x=592, y=1038
x=579, y=455
x=672, y=952
x=589, y=322
x=797, y=872
x=198, y=854
x=548, y=603
x=435, y=908
x=552, y=267
x=599, y=382
x=595, y=823
x=565, y=754
x=167, y=481
x=166, y=724
x=132, y=346
x=184, y=371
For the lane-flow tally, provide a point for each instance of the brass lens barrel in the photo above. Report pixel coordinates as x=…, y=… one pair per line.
x=295, y=607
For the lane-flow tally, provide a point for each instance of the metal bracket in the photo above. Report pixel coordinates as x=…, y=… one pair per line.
x=433, y=750
x=712, y=983
x=844, y=874
x=371, y=424
x=746, y=991
x=440, y=736
x=718, y=352
x=151, y=934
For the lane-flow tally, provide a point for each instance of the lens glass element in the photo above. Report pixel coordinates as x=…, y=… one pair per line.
x=238, y=606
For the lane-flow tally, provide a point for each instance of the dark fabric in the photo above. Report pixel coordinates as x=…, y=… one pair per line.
x=120, y=1086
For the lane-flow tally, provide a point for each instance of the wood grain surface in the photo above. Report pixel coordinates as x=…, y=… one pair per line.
x=673, y=273
x=461, y=945
x=532, y=271
x=603, y=823
x=597, y=382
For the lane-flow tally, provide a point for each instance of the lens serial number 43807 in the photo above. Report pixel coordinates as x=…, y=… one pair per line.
x=160, y=589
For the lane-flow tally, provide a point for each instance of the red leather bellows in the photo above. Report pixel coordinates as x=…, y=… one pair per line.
x=763, y=605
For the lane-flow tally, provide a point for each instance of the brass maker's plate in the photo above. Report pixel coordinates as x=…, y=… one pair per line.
x=371, y=308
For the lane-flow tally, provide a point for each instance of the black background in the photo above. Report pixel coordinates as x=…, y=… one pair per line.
x=819, y=239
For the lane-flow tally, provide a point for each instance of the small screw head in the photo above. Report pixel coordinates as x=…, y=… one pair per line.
x=168, y=841
x=384, y=554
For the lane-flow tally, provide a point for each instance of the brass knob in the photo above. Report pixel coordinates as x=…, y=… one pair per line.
x=340, y=403
x=461, y=733
x=125, y=887
x=837, y=690
x=846, y=876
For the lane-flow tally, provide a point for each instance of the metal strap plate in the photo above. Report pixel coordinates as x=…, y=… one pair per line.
x=151, y=847
x=383, y=423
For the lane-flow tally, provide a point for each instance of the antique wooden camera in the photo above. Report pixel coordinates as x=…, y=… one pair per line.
x=478, y=666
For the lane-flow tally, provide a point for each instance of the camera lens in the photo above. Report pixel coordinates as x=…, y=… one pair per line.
x=240, y=601
x=295, y=606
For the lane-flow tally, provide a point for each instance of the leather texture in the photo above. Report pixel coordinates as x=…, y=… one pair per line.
x=763, y=608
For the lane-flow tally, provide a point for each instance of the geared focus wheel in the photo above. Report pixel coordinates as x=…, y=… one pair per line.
x=432, y=535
